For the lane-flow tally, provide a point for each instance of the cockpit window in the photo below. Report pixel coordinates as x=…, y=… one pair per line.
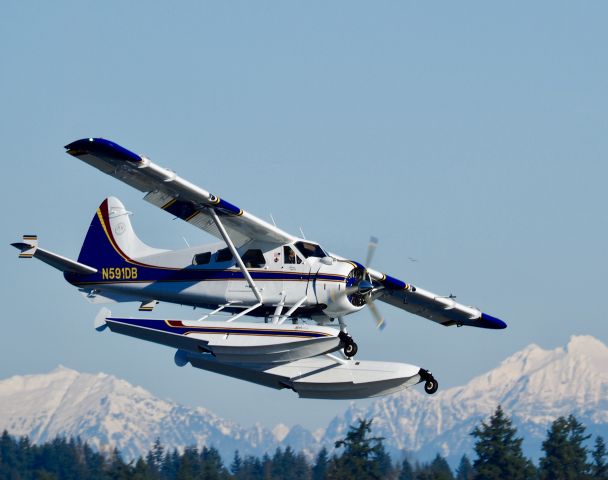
x=223, y=255
x=310, y=250
x=290, y=256
x=201, y=258
x=254, y=258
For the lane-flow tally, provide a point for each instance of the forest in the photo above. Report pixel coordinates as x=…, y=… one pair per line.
x=568, y=453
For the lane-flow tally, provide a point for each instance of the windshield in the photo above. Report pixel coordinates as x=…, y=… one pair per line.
x=310, y=250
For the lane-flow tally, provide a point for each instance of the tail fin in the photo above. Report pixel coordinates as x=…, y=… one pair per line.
x=110, y=239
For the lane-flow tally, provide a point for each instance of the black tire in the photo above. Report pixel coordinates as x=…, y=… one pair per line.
x=431, y=386
x=350, y=349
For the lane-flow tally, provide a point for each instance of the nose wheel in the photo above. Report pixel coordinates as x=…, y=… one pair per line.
x=350, y=347
x=430, y=384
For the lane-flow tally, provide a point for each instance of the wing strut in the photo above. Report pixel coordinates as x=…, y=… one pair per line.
x=291, y=310
x=241, y=265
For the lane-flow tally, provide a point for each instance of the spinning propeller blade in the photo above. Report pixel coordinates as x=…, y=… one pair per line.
x=371, y=248
x=375, y=312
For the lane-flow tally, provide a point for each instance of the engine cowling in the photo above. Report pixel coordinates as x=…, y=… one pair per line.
x=332, y=285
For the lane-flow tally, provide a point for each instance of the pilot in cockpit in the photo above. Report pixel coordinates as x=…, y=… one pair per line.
x=290, y=256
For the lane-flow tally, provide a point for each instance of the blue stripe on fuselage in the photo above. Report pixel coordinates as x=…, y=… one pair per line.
x=189, y=274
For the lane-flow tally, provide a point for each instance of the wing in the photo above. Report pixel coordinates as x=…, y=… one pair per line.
x=175, y=195
x=440, y=309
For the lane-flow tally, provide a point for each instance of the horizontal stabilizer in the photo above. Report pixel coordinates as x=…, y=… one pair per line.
x=29, y=248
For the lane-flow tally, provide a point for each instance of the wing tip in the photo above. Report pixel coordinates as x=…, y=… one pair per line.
x=103, y=148
x=488, y=321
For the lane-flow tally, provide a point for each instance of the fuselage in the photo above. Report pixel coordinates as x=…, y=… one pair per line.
x=208, y=276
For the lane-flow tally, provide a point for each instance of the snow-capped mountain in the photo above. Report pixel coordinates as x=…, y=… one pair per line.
x=108, y=412
x=534, y=386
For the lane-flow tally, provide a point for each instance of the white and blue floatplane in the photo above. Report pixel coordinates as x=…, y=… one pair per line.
x=299, y=292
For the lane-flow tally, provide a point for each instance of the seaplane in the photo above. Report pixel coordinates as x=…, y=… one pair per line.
x=276, y=302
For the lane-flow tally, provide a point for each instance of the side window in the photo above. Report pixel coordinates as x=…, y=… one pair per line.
x=223, y=255
x=289, y=256
x=201, y=258
x=254, y=258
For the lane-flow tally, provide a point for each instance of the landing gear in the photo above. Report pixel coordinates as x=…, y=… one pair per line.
x=430, y=384
x=350, y=347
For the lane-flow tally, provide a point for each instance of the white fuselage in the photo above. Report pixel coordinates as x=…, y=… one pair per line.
x=208, y=276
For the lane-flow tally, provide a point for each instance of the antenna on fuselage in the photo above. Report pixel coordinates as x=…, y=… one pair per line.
x=186, y=242
x=302, y=232
x=272, y=218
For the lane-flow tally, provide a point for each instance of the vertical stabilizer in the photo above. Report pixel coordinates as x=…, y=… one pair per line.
x=111, y=239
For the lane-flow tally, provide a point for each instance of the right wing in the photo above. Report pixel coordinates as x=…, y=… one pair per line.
x=175, y=195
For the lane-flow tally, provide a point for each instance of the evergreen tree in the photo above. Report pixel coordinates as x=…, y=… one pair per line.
x=212, y=465
x=143, y=470
x=95, y=463
x=362, y=457
x=319, y=470
x=565, y=455
x=423, y=472
x=301, y=468
x=383, y=461
x=282, y=464
x=499, y=453
x=266, y=467
x=465, y=469
x=189, y=464
x=599, y=468
x=440, y=469
x=237, y=464
x=170, y=465
x=117, y=470
x=407, y=472
x=154, y=459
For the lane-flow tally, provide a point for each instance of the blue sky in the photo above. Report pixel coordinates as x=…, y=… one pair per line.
x=468, y=135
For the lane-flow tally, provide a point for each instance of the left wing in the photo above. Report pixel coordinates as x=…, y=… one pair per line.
x=440, y=309
x=167, y=190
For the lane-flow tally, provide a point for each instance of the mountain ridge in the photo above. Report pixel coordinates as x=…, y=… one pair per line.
x=534, y=386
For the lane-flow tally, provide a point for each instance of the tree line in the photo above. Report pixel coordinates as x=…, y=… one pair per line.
x=359, y=455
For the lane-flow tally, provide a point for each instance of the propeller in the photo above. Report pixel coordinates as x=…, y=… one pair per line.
x=364, y=288
x=367, y=284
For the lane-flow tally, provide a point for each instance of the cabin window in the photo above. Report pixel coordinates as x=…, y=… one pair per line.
x=223, y=255
x=310, y=250
x=254, y=258
x=290, y=256
x=201, y=258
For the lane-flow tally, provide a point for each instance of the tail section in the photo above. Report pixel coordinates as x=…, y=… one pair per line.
x=111, y=239
x=29, y=249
